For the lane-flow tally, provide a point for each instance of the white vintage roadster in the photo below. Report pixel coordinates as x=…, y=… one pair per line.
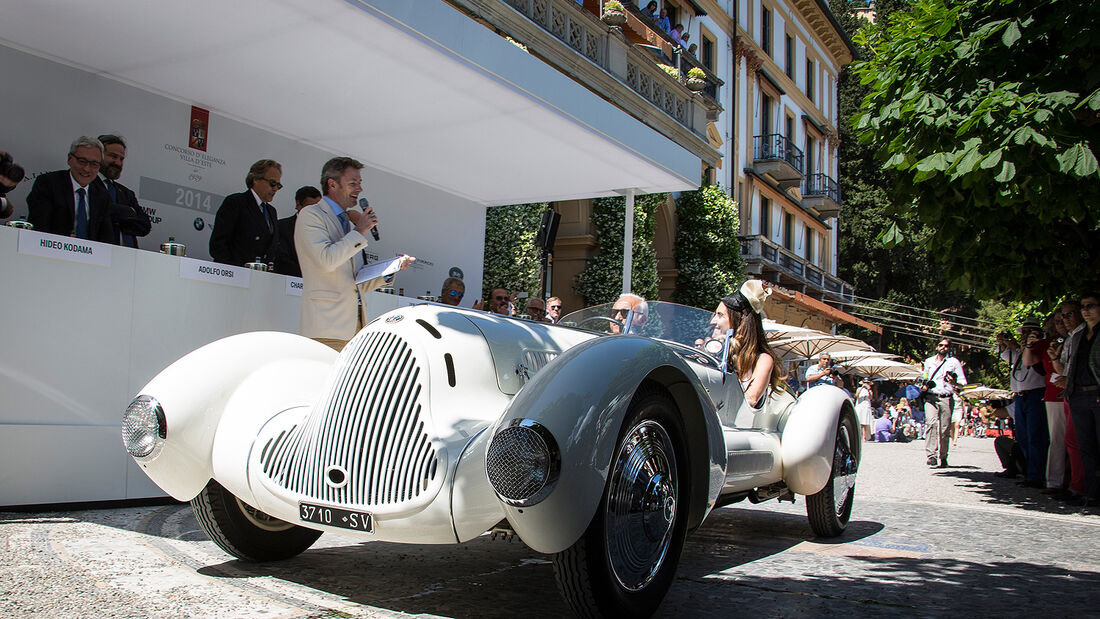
x=602, y=441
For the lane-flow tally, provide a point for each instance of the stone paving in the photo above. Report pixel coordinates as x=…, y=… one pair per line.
x=922, y=542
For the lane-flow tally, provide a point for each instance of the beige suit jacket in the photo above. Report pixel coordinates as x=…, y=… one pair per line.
x=329, y=260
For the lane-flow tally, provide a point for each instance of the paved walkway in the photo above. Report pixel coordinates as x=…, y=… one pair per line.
x=922, y=542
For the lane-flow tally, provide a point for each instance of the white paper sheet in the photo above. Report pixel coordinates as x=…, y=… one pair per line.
x=378, y=269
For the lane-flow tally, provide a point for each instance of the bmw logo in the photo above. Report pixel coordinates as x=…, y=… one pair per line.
x=395, y=318
x=456, y=272
x=199, y=223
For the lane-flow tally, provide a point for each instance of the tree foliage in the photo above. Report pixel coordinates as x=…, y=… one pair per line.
x=708, y=254
x=984, y=115
x=905, y=272
x=601, y=281
x=511, y=257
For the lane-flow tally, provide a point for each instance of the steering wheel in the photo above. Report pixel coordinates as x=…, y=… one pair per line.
x=596, y=318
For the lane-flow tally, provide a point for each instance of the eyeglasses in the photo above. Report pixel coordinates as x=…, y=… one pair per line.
x=499, y=298
x=87, y=163
x=555, y=307
x=454, y=293
x=1089, y=306
x=1066, y=314
x=276, y=185
x=620, y=311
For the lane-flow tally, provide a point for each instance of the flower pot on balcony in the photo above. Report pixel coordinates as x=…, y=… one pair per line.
x=696, y=84
x=613, y=18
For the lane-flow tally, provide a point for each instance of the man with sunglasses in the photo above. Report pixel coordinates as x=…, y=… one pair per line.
x=621, y=309
x=246, y=225
x=553, y=309
x=73, y=202
x=452, y=292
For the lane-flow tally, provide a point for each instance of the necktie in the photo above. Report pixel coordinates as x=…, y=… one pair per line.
x=112, y=190
x=81, y=214
x=263, y=209
x=345, y=223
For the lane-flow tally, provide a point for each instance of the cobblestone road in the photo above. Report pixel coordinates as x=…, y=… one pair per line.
x=922, y=542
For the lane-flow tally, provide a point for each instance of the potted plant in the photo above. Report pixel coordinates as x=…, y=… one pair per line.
x=613, y=13
x=673, y=72
x=696, y=79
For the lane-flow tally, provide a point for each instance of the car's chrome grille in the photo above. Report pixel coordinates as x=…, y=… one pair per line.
x=371, y=423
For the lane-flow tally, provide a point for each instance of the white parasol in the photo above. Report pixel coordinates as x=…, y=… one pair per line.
x=888, y=369
x=778, y=331
x=981, y=392
x=813, y=344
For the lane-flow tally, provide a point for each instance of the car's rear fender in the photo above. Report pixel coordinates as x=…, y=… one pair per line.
x=808, y=431
x=194, y=391
x=581, y=398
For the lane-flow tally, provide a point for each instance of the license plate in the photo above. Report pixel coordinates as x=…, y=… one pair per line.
x=336, y=517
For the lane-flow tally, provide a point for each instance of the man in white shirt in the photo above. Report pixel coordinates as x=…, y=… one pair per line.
x=942, y=373
x=1028, y=383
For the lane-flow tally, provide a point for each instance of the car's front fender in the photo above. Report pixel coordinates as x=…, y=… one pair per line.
x=194, y=392
x=808, y=431
x=581, y=398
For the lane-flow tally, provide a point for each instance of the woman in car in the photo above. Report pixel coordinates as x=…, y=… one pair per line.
x=756, y=365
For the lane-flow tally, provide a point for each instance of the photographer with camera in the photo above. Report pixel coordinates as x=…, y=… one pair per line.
x=942, y=373
x=824, y=373
x=1027, y=381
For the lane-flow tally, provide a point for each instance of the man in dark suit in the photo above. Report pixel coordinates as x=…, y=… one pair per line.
x=286, y=257
x=244, y=228
x=129, y=220
x=73, y=201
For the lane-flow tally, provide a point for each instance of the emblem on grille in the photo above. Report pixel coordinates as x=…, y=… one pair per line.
x=395, y=318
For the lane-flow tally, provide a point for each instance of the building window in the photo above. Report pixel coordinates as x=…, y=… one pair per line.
x=790, y=129
x=765, y=114
x=765, y=217
x=706, y=52
x=788, y=230
x=811, y=150
x=809, y=245
x=810, y=79
x=789, y=54
x=766, y=29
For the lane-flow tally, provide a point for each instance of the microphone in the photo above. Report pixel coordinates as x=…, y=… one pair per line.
x=364, y=204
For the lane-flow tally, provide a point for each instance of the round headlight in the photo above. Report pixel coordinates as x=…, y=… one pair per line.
x=523, y=463
x=143, y=427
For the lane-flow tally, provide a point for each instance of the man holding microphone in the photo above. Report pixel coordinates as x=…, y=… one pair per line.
x=330, y=243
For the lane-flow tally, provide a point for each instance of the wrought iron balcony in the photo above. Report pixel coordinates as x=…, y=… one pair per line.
x=774, y=263
x=622, y=64
x=775, y=156
x=821, y=194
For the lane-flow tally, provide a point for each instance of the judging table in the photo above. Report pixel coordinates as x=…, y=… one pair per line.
x=85, y=325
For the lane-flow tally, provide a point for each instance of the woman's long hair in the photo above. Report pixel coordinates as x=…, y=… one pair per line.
x=749, y=331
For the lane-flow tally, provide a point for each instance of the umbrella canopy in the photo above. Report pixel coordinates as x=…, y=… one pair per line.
x=882, y=368
x=847, y=356
x=813, y=344
x=982, y=392
x=778, y=331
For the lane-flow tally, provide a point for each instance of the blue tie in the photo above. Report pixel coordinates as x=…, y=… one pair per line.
x=128, y=240
x=81, y=214
x=345, y=223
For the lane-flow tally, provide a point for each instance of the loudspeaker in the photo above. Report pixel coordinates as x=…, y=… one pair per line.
x=548, y=230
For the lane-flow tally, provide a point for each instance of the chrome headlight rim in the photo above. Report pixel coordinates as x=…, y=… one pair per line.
x=553, y=464
x=155, y=412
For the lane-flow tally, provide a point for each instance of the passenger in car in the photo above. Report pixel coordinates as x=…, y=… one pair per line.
x=756, y=365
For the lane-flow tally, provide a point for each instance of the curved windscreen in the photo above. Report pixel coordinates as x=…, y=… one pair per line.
x=681, y=324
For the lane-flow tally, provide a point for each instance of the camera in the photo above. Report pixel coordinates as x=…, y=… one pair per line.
x=1005, y=334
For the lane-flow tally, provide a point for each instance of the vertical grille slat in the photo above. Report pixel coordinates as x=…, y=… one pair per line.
x=372, y=421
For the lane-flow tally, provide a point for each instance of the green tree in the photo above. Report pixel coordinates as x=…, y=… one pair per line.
x=511, y=257
x=984, y=114
x=601, y=281
x=708, y=254
x=905, y=272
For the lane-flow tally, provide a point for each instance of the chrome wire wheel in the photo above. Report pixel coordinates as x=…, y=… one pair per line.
x=641, y=505
x=845, y=466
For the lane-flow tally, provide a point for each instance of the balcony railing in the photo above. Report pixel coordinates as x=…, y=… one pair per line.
x=777, y=146
x=822, y=185
x=633, y=54
x=758, y=250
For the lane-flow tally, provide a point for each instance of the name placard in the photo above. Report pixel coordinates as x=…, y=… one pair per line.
x=293, y=286
x=214, y=272
x=64, y=248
